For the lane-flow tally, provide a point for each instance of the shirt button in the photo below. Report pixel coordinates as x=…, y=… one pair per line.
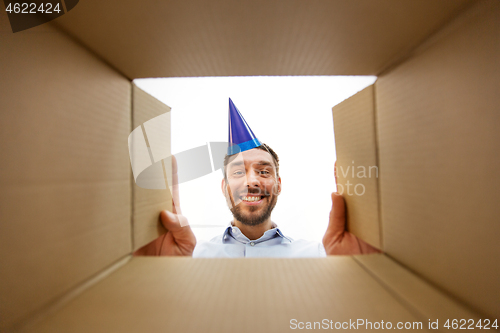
x=252, y=243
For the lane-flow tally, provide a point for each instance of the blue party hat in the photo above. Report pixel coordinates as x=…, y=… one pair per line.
x=241, y=137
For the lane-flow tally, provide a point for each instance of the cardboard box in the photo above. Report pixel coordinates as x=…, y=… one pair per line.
x=72, y=216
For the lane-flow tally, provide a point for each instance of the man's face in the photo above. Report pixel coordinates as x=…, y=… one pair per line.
x=252, y=186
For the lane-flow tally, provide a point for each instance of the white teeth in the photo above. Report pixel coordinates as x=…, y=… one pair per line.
x=251, y=199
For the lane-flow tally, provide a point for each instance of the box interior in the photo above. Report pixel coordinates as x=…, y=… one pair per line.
x=71, y=210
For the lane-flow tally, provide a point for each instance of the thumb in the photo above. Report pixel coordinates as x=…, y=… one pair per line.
x=176, y=207
x=337, y=224
x=174, y=222
x=179, y=235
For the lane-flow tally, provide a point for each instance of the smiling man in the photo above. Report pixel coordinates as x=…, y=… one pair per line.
x=251, y=186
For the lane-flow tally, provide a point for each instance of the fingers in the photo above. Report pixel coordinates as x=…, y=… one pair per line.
x=176, y=207
x=180, y=239
x=335, y=172
x=337, y=240
x=173, y=222
x=174, y=166
x=337, y=222
x=176, y=224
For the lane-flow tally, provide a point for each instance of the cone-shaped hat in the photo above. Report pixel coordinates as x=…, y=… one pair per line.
x=241, y=137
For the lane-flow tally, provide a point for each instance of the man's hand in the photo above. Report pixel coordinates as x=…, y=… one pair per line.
x=337, y=239
x=179, y=240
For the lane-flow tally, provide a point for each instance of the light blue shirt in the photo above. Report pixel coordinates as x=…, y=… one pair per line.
x=234, y=244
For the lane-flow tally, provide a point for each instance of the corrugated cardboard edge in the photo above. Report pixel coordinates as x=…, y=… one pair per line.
x=357, y=164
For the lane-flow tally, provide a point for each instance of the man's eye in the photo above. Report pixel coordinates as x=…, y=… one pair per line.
x=238, y=173
x=264, y=172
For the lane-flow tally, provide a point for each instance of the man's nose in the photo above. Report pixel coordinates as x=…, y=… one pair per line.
x=252, y=180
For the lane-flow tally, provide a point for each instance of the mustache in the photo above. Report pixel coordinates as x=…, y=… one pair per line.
x=258, y=191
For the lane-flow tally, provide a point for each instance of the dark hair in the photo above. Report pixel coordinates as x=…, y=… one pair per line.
x=263, y=147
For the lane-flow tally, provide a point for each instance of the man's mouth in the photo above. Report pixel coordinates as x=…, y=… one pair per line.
x=252, y=198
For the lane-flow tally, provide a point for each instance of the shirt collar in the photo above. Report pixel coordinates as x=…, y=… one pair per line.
x=235, y=233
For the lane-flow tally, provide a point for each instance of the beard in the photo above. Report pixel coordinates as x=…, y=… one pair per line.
x=254, y=219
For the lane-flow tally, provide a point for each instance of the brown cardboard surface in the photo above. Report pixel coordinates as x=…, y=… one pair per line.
x=254, y=37
x=357, y=167
x=417, y=294
x=4, y=22
x=61, y=302
x=149, y=202
x=438, y=116
x=227, y=295
x=64, y=171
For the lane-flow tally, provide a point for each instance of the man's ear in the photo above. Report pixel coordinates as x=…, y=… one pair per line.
x=223, y=186
x=278, y=184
